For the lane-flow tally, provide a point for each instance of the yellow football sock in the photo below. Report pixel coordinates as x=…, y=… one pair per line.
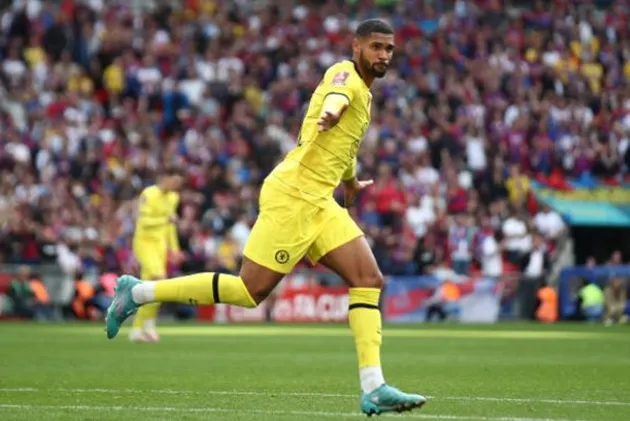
x=365, y=321
x=204, y=288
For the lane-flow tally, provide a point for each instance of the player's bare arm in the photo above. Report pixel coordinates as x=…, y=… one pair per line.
x=352, y=188
x=334, y=107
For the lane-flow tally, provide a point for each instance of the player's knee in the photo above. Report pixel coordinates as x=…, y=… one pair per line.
x=258, y=280
x=370, y=280
x=257, y=292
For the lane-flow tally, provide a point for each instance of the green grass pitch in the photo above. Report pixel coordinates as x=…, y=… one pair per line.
x=507, y=372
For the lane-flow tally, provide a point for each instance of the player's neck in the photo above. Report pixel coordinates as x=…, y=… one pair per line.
x=367, y=78
x=162, y=188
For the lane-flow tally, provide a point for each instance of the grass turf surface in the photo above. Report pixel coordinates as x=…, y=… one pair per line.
x=507, y=372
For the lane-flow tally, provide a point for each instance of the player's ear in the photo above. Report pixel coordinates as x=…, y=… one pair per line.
x=356, y=45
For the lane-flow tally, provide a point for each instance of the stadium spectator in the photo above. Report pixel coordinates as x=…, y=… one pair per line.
x=589, y=304
x=535, y=267
x=616, y=259
x=615, y=302
x=591, y=262
x=460, y=237
x=29, y=297
x=517, y=185
x=84, y=305
x=420, y=214
x=546, y=303
x=517, y=237
x=444, y=302
x=427, y=254
x=490, y=253
x=549, y=223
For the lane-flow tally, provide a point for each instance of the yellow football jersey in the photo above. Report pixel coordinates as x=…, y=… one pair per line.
x=322, y=159
x=153, y=226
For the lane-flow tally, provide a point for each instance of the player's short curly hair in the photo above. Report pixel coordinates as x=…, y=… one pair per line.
x=173, y=170
x=367, y=27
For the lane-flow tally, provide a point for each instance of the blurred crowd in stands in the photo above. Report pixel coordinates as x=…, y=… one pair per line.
x=482, y=98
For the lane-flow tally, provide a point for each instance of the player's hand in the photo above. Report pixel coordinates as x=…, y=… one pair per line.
x=328, y=120
x=352, y=189
x=172, y=219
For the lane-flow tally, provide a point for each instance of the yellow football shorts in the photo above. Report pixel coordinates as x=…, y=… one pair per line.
x=152, y=260
x=289, y=228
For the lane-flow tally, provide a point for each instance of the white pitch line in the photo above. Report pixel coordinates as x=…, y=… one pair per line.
x=18, y=389
x=534, y=400
x=261, y=412
x=178, y=392
x=310, y=394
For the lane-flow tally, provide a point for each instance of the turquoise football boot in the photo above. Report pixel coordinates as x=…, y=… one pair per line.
x=389, y=399
x=122, y=305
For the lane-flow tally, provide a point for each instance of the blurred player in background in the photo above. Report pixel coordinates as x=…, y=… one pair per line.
x=154, y=239
x=299, y=217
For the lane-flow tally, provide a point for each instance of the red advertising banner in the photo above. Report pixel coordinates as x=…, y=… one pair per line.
x=291, y=305
x=235, y=314
x=312, y=304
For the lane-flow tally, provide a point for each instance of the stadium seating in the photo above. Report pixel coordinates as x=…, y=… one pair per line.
x=90, y=115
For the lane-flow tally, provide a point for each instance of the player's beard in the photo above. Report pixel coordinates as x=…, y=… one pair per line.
x=365, y=64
